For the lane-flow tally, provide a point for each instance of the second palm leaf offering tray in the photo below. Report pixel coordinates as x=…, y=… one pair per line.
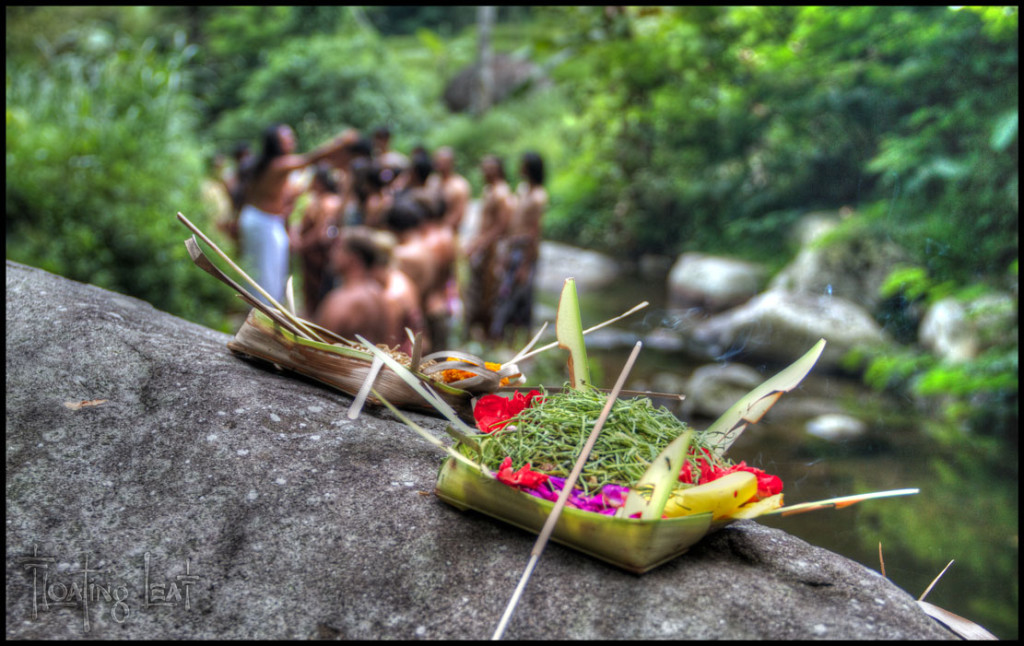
x=273, y=333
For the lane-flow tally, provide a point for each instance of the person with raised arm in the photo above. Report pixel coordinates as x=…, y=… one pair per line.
x=270, y=194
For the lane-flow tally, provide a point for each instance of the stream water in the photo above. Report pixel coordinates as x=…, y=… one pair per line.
x=964, y=514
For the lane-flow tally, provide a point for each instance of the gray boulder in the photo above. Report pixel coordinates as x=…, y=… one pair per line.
x=958, y=331
x=712, y=282
x=782, y=326
x=557, y=261
x=159, y=487
x=510, y=74
x=852, y=268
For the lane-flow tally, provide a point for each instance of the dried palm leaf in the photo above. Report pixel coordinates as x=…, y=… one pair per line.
x=342, y=365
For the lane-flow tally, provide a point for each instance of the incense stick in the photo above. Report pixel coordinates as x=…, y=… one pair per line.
x=585, y=332
x=556, y=511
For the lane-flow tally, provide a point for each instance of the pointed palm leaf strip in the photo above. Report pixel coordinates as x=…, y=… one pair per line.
x=934, y=581
x=752, y=406
x=201, y=261
x=569, y=330
x=526, y=349
x=838, y=503
x=965, y=628
x=462, y=431
x=661, y=478
x=427, y=435
x=417, y=350
x=544, y=348
x=296, y=321
x=289, y=295
x=364, y=390
x=570, y=482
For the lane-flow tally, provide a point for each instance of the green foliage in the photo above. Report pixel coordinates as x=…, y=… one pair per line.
x=952, y=152
x=235, y=41
x=395, y=20
x=710, y=128
x=321, y=84
x=978, y=395
x=100, y=157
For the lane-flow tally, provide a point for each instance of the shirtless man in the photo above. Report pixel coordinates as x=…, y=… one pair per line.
x=357, y=307
x=441, y=242
x=414, y=254
x=401, y=298
x=269, y=199
x=312, y=237
x=495, y=210
x=521, y=250
x=455, y=193
x=452, y=187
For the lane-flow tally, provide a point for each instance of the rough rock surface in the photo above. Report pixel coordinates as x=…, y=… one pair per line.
x=248, y=503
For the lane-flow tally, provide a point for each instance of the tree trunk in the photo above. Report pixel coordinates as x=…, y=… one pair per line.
x=485, y=60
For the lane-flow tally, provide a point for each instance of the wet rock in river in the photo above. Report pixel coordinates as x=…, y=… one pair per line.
x=958, y=331
x=851, y=267
x=712, y=283
x=592, y=270
x=712, y=389
x=836, y=427
x=782, y=326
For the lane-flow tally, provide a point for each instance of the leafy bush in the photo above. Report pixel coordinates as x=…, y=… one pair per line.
x=978, y=396
x=710, y=128
x=100, y=157
x=321, y=84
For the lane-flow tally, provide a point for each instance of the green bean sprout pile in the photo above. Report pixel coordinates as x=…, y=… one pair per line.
x=551, y=435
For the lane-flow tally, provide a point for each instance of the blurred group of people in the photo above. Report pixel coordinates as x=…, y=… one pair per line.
x=378, y=238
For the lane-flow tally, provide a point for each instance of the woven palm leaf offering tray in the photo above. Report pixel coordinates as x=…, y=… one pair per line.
x=615, y=478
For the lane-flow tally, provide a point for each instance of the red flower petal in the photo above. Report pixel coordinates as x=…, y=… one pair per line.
x=767, y=484
x=493, y=412
x=524, y=477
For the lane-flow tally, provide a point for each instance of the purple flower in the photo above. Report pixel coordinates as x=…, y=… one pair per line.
x=610, y=498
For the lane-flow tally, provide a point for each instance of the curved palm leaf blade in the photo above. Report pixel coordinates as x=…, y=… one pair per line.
x=752, y=406
x=569, y=330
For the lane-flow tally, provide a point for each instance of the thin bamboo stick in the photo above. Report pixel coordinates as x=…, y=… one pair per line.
x=296, y=321
x=556, y=511
x=587, y=331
